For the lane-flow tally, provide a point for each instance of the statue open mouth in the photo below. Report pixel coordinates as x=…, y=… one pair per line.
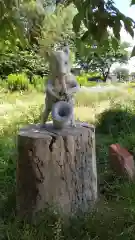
x=61, y=114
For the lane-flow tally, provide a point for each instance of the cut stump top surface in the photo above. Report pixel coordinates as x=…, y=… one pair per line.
x=36, y=131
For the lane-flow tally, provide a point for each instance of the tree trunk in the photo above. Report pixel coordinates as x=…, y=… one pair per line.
x=105, y=74
x=104, y=77
x=57, y=168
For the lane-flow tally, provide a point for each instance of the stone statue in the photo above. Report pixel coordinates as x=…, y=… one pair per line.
x=60, y=90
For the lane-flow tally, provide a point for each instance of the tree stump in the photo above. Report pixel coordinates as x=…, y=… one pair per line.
x=56, y=167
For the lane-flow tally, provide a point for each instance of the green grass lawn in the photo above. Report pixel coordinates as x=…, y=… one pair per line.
x=114, y=216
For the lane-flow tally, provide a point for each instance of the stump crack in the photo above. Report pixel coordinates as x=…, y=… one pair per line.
x=53, y=140
x=74, y=196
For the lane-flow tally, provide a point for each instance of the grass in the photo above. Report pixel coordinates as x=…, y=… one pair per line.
x=114, y=216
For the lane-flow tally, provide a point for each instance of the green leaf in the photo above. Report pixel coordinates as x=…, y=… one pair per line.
x=94, y=31
x=115, y=43
x=76, y=23
x=117, y=28
x=85, y=36
x=133, y=52
x=82, y=49
x=128, y=26
x=132, y=2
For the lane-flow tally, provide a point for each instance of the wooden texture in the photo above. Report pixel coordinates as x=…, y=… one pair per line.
x=56, y=168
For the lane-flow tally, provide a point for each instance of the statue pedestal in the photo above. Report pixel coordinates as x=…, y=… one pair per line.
x=56, y=167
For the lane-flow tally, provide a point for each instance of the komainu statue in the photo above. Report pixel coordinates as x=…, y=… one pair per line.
x=60, y=91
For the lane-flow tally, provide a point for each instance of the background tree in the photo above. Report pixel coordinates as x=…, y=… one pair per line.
x=101, y=57
x=22, y=20
x=33, y=17
x=57, y=28
x=122, y=73
x=10, y=23
x=42, y=27
x=29, y=20
x=97, y=16
x=133, y=75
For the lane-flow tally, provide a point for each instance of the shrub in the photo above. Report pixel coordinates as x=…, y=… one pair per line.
x=36, y=80
x=131, y=84
x=39, y=82
x=2, y=83
x=22, y=61
x=17, y=82
x=116, y=121
x=83, y=79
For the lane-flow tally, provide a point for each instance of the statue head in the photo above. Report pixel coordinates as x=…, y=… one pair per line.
x=60, y=62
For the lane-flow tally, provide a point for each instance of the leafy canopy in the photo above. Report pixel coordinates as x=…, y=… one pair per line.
x=97, y=16
x=57, y=28
x=10, y=20
x=21, y=19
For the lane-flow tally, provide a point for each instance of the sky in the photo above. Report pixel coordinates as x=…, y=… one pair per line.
x=125, y=8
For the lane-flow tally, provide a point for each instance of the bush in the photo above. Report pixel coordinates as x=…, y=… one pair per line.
x=17, y=82
x=2, y=83
x=83, y=79
x=36, y=80
x=22, y=61
x=116, y=121
x=131, y=84
x=39, y=82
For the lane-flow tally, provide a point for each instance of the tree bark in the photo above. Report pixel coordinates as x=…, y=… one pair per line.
x=105, y=74
x=56, y=168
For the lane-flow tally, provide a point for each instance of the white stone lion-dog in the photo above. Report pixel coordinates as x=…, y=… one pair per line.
x=62, y=85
